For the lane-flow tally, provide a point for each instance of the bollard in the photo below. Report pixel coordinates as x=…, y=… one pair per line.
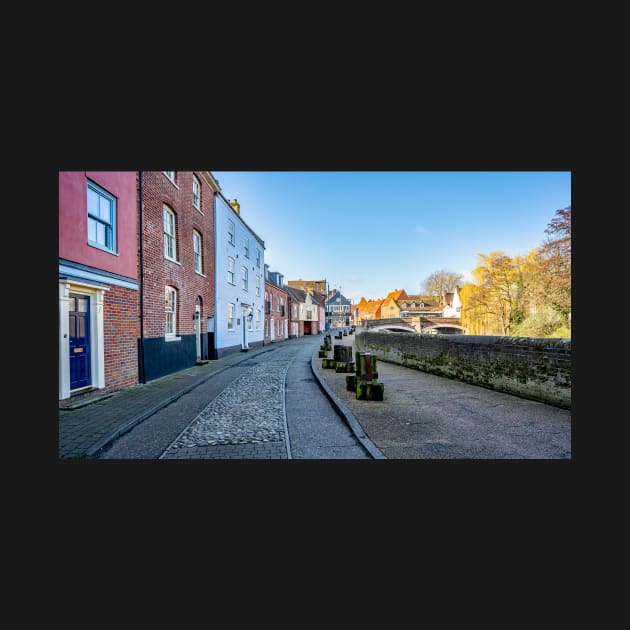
x=351, y=383
x=367, y=386
x=361, y=366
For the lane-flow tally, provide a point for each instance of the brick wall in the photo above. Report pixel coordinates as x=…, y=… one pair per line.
x=120, y=331
x=157, y=190
x=538, y=369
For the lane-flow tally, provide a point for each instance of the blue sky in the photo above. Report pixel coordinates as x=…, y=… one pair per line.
x=371, y=232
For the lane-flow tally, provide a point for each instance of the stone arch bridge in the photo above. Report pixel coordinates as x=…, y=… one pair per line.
x=443, y=325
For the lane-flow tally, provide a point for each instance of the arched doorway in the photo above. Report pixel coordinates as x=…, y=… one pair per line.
x=198, y=327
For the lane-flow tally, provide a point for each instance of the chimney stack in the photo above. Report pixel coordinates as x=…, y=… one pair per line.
x=236, y=205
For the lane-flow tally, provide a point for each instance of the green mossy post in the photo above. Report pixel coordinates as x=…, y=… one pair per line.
x=351, y=383
x=360, y=363
x=369, y=391
x=375, y=391
x=322, y=354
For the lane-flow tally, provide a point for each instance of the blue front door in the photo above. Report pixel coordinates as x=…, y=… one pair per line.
x=79, y=320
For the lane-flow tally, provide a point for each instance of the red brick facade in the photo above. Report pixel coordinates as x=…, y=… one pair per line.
x=121, y=332
x=159, y=271
x=162, y=356
x=277, y=309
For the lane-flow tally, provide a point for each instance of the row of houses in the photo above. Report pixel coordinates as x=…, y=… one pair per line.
x=421, y=311
x=159, y=271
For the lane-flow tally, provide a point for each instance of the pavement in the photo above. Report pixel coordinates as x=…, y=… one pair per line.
x=422, y=416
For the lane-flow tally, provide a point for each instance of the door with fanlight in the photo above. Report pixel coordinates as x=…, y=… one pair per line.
x=79, y=335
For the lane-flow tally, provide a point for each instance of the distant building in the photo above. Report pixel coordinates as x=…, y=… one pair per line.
x=307, y=312
x=320, y=299
x=308, y=285
x=276, y=307
x=340, y=309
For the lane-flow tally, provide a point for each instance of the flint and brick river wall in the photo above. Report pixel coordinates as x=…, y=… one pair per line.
x=538, y=369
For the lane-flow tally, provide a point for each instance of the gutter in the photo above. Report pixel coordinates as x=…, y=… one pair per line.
x=143, y=376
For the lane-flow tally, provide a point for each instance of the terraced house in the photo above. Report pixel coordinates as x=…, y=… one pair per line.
x=240, y=265
x=305, y=314
x=276, y=307
x=176, y=266
x=98, y=283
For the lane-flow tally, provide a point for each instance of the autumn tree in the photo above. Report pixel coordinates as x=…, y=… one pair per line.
x=495, y=300
x=526, y=295
x=440, y=282
x=555, y=264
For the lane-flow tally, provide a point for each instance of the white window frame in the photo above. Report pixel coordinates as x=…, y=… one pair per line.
x=231, y=316
x=246, y=248
x=231, y=232
x=245, y=278
x=198, y=251
x=257, y=258
x=231, y=269
x=168, y=237
x=170, y=175
x=108, y=224
x=257, y=285
x=258, y=319
x=170, y=310
x=196, y=195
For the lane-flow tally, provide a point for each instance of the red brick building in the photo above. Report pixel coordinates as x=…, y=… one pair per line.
x=276, y=307
x=98, y=283
x=176, y=268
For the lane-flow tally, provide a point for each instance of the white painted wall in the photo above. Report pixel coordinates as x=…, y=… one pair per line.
x=226, y=292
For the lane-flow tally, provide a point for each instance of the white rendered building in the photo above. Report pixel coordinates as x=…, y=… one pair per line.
x=239, y=281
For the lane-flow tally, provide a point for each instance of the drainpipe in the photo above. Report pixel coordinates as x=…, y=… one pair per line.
x=143, y=377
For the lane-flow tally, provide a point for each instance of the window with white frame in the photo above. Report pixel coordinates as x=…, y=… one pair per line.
x=170, y=175
x=258, y=286
x=170, y=250
x=196, y=193
x=258, y=258
x=197, y=251
x=258, y=319
x=244, y=278
x=230, y=270
x=246, y=248
x=170, y=312
x=230, y=318
x=231, y=238
x=101, y=207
